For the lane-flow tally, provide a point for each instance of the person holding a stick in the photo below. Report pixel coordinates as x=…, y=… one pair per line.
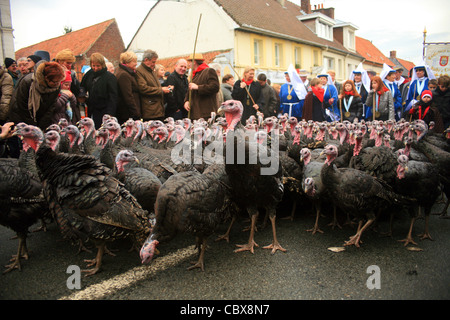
x=201, y=98
x=379, y=102
x=248, y=91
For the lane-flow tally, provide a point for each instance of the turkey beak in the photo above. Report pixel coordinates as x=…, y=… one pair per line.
x=406, y=168
x=136, y=159
x=220, y=110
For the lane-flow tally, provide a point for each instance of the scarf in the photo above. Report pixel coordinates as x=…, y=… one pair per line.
x=318, y=92
x=248, y=82
x=349, y=93
x=201, y=67
x=34, y=98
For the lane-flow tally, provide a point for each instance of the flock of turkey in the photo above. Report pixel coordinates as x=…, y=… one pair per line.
x=122, y=180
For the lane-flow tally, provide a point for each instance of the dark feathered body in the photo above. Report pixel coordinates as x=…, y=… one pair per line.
x=87, y=202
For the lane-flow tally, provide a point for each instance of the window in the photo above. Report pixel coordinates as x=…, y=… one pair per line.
x=316, y=58
x=298, y=57
x=324, y=30
x=328, y=63
x=351, y=39
x=257, y=52
x=278, y=54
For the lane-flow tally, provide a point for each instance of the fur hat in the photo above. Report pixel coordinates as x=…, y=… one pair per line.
x=426, y=93
x=65, y=54
x=9, y=62
x=51, y=71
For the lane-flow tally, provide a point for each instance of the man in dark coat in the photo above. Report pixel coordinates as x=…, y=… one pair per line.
x=180, y=83
x=441, y=99
x=203, y=89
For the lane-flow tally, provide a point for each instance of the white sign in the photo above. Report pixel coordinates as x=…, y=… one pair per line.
x=437, y=58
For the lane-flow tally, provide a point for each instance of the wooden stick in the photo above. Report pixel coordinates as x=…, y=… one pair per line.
x=193, y=59
x=373, y=106
x=340, y=107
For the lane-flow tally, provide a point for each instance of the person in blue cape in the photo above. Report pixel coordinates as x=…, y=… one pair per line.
x=421, y=75
x=330, y=98
x=387, y=75
x=292, y=94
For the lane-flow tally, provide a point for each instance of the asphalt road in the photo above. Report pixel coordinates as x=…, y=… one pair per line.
x=307, y=271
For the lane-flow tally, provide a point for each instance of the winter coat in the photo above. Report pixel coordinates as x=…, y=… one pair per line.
x=151, y=93
x=241, y=95
x=6, y=92
x=385, y=106
x=313, y=108
x=101, y=87
x=61, y=108
x=204, y=100
x=175, y=101
x=441, y=100
x=227, y=89
x=129, y=104
x=19, y=103
x=270, y=105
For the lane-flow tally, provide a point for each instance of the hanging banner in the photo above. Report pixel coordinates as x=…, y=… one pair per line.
x=437, y=57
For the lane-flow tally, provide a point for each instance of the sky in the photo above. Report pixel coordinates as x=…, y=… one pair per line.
x=390, y=24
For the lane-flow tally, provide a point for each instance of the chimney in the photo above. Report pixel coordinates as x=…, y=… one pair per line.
x=306, y=6
x=393, y=54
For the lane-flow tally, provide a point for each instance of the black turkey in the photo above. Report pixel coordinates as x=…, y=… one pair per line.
x=142, y=183
x=87, y=202
x=254, y=185
x=356, y=192
x=189, y=202
x=421, y=181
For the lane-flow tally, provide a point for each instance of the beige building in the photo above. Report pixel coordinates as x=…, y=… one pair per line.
x=268, y=35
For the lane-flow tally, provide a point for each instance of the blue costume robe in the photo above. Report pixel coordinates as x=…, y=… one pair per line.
x=414, y=92
x=397, y=96
x=292, y=106
x=331, y=92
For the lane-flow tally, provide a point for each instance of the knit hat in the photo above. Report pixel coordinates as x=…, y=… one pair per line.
x=68, y=77
x=426, y=93
x=9, y=62
x=34, y=58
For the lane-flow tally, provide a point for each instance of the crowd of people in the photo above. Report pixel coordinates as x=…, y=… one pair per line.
x=40, y=91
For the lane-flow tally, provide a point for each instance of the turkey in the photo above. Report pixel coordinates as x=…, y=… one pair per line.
x=142, y=183
x=254, y=185
x=22, y=204
x=419, y=180
x=87, y=202
x=356, y=192
x=189, y=202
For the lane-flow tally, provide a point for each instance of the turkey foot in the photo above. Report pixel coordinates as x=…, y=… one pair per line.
x=333, y=224
x=275, y=244
x=356, y=238
x=97, y=261
x=425, y=235
x=409, y=238
x=199, y=264
x=22, y=252
x=314, y=229
x=246, y=247
x=251, y=243
x=226, y=236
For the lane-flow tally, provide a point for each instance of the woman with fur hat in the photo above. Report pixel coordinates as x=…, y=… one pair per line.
x=34, y=100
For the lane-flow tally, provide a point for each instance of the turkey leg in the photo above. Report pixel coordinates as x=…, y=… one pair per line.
x=200, y=263
x=316, y=228
x=275, y=244
x=97, y=261
x=22, y=252
x=251, y=243
x=409, y=238
x=356, y=238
